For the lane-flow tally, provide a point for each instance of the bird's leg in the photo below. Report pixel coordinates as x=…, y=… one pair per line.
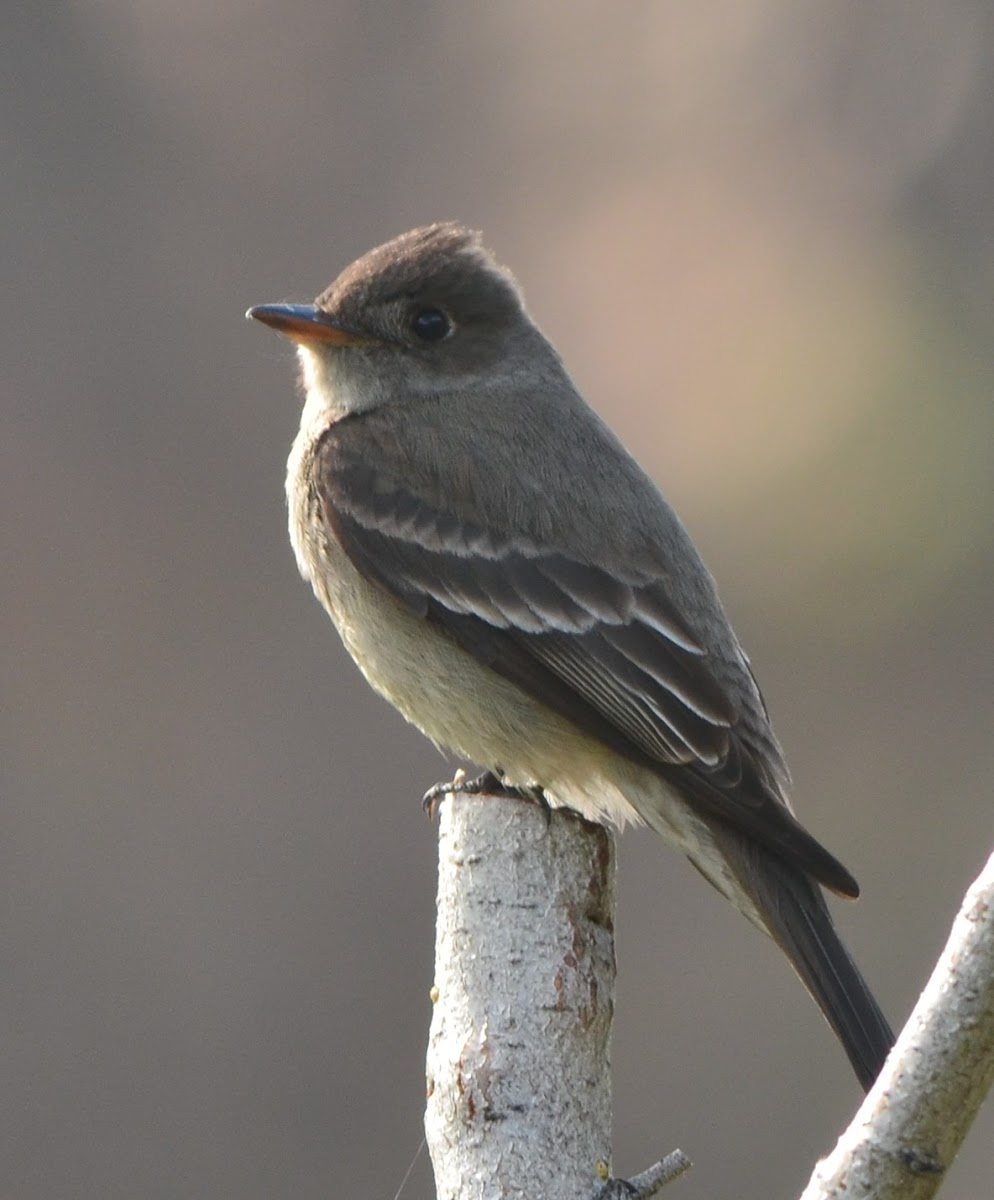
x=490, y=783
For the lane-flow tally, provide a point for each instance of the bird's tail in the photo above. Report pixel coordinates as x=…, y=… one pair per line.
x=795, y=914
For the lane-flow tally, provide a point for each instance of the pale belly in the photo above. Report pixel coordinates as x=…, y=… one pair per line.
x=464, y=707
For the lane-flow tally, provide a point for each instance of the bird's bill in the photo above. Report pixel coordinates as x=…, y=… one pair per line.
x=306, y=324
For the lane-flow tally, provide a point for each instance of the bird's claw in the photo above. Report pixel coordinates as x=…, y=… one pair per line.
x=487, y=783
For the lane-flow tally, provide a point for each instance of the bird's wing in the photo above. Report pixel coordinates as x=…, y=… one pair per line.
x=605, y=649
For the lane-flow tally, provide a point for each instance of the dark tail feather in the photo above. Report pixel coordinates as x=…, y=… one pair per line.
x=797, y=918
x=800, y=923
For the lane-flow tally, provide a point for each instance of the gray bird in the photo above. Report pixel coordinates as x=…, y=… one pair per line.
x=505, y=574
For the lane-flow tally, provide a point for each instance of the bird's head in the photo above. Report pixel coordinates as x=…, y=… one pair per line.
x=427, y=314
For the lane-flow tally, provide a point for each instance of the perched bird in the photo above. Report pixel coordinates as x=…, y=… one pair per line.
x=506, y=575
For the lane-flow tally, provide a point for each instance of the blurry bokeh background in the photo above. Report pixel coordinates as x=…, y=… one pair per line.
x=761, y=234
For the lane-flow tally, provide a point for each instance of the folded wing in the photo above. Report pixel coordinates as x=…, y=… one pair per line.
x=606, y=649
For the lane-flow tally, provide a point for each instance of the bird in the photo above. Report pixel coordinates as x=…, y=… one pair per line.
x=504, y=572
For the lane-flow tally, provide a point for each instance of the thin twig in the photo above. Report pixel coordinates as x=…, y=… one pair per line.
x=648, y=1182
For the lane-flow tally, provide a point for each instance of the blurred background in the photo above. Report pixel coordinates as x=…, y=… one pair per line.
x=761, y=235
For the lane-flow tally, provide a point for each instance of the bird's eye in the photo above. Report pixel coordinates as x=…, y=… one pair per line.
x=431, y=324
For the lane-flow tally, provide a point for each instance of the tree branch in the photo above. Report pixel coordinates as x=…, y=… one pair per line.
x=913, y=1121
x=519, y=1081
x=519, y=1064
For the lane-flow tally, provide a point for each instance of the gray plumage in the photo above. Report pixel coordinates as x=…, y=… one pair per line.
x=505, y=573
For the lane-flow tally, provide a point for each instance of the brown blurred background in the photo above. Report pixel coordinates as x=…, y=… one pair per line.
x=761, y=235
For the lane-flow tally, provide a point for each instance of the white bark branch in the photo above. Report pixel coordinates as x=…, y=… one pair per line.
x=519, y=1065
x=912, y=1123
x=519, y=1082
x=519, y=1079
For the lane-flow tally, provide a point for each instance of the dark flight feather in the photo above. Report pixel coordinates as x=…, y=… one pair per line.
x=606, y=652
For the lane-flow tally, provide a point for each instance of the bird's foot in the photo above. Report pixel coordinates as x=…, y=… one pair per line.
x=488, y=783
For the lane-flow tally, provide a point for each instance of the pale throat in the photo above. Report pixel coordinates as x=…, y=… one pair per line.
x=327, y=391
